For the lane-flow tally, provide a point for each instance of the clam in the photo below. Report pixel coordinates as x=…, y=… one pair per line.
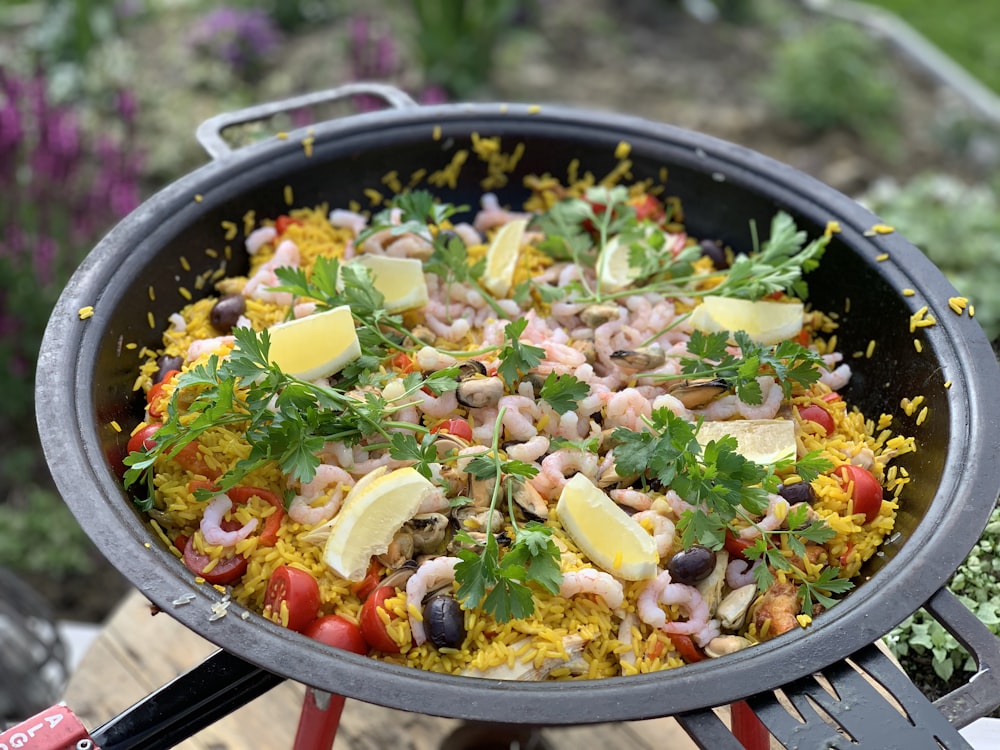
x=732, y=610
x=401, y=550
x=479, y=392
x=587, y=348
x=530, y=501
x=726, y=644
x=472, y=518
x=695, y=393
x=428, y=531
x=596, y=315
x=470, y=368
x=641, y=359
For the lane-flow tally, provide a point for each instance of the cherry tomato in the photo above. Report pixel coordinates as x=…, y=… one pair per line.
x=460, y=428
x=404, y=363
x=736, y=546
x=686, y=648
x=282, y=223
x=363, y=588
x=226, y=571
x=181, y=542
x=190, y=458
x=648, y=207
x=846, y=554
x=143, y=439
x=372, y=627
x=803, y=337
x=830, y=397
x=867, y=492
x=336, y=631
x=268, y=534
x=819, y=415
x=299, y=592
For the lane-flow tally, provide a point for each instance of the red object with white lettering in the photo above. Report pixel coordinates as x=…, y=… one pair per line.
x=55, y=728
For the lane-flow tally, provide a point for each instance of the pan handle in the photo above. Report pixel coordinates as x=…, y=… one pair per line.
x=803, y=713
x=198, y=698
x=209, y=133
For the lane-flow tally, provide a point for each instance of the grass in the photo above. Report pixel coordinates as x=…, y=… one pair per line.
x=964, y=29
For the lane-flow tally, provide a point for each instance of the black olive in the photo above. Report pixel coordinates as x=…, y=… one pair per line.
x=714, y=250
x=444, y=621
x=691, y=565
x=227, y=311
x=800, y=492
x=165, y=364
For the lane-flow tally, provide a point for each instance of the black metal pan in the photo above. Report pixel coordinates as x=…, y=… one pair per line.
x=86, y=371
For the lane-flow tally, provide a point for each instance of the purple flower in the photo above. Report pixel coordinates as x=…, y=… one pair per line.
x=243, y=38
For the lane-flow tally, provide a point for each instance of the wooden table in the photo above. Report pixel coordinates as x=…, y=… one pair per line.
x=137, y=653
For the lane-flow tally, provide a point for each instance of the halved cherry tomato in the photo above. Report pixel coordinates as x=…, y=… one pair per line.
x=299, y=592
x=190, y=458
x=867, y=492
x=180, y=542
x=153, y=394
x=143, y=439
x=830, y=397
x=372, y=627
x=736, y=546
x=226, y=571
x=269, y=534
x=648, y=207
x=819, y=415
x=460, y=428
x=404, y=363
x=363, y=588
x=202, y=484
x=803, y=337
x=686, y=648
x=846, y=554
x=337, y=631
x=282, y=223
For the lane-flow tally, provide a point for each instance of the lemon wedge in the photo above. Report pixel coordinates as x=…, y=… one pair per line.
x=613, y=268
x=765, y=321
x=763, y=441
x=611, y=538
x=317, y=345
x=400, y=280
x=373, y=511
x=501, y=257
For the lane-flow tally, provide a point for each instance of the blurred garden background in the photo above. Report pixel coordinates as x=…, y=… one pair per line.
x=99, y=100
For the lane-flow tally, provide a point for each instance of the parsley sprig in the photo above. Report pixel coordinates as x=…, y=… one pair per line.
x=789, y=362
x=724, y=488
x=500, y=583
x=285, y=420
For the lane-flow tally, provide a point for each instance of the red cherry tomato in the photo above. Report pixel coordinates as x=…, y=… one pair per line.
x=153, y=394
x=867, y=492
x=363, y=588
x=226, y=571
x=299, y=592
x=819, y=415
x=830, y=397
x=404, y=363
x=190, y=458
x=460, y=428
x=143, y=439
x=336, y=631
x=686, y=648
x=372, y=627
x=648, y=207
x=268, y=534
x=736, y=546
x=282, y=223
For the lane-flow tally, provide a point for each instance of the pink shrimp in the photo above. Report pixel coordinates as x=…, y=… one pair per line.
x=777, y=511
x=836, y=378
x=438, y=407
x=739, y=572
x=592, y=581
x=285, y=256
x=200, y=347
x=454, y=330
x=211, y=523
x=302, y=510
x=626, y=408
x=632, y=499
x=345, y=219
x=491, y=215
x=430, y=575
x=662, y=591
x=258, y=238
x=530, y=450
x=518, y=419
x=768, y=408
x=660, y=527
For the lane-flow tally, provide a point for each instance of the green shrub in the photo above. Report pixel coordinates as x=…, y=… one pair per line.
x=832, y=75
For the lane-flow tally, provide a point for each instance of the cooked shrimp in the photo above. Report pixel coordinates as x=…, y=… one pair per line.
x=660, y=527
x=491, y=215
x=627, y=408
x=837, y=378
x=430, y=575
x=327, y=476
x=632, y=499
x=768, y=408
x=559, y=465
x=285, y=256
x=518, y=419
x=739, y=572
x=211, y=524
x=593, y=581
x=438, y=407
x=530, y=450
x=777, y=512
x=455, y=330
x=662, y=591
x=200, y=347
x=258, y=238
x=434, y=501
x=342, y=218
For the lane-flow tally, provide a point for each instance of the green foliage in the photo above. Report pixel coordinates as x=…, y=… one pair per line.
x=977, y=585
x=958, y=227
x=456, y=40
x=832, y=76
x=38, y=534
